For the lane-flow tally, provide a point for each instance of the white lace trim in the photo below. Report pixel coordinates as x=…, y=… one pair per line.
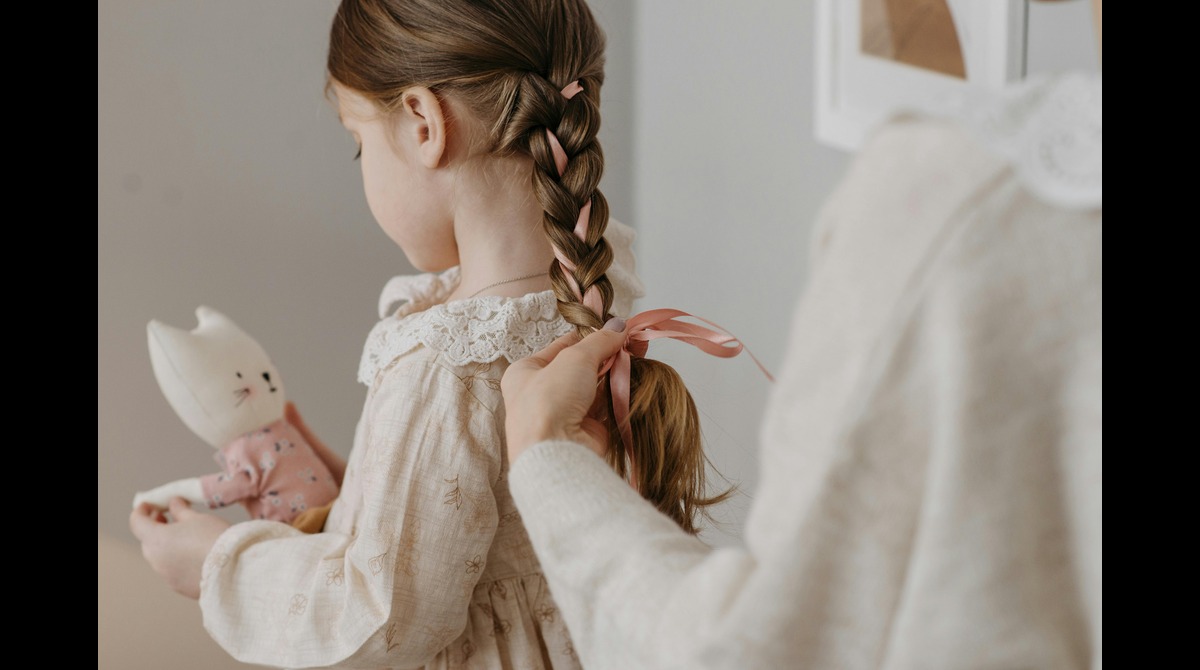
x=412, y=313
x=1050, y=128
x=477, y=330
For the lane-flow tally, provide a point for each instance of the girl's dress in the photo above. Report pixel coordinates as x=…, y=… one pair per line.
x=424, y=560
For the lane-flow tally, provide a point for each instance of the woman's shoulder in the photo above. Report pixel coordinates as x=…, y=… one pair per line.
x=1048, y=129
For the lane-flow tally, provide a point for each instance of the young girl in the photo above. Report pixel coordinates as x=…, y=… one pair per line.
x=476, y=125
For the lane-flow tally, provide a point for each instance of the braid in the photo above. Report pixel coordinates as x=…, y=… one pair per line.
x=542, y=116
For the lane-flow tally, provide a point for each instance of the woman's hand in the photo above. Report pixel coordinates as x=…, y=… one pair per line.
x=554, y=394
x=335, y=463
x=176, y=549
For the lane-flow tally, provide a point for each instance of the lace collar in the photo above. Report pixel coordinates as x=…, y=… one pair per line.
x=1049, y=127
x=413, y=312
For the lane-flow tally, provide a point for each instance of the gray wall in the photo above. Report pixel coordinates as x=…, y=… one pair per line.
x=729, y=178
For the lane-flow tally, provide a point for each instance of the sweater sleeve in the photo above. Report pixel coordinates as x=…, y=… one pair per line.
x=395, y=591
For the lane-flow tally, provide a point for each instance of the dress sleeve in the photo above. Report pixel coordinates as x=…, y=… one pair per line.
x=396, y=591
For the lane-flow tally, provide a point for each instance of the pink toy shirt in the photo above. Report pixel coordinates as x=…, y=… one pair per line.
x=273, y=472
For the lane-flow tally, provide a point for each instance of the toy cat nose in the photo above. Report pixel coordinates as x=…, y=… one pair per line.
x=267, y=376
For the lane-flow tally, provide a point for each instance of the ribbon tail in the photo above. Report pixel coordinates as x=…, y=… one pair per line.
x=618, y=386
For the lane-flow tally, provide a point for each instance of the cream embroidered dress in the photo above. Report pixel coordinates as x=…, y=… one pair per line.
x=424, y=561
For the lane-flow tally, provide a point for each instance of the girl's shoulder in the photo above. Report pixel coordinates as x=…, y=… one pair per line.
x=478, y=330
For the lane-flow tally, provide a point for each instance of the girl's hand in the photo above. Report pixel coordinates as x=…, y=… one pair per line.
x=176, y=549
x=555, y=393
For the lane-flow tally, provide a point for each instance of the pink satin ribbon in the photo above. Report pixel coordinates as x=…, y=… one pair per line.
x=655, y=324
x=592, y=300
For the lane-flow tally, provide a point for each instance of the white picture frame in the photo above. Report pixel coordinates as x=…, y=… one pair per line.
x=856, y=91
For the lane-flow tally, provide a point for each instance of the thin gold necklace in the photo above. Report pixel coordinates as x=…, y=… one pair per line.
x=506, y=281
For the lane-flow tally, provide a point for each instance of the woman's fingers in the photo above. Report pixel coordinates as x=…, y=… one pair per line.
x=598, y=346
x=602, y=344
x=553, y=394
x=543, y=357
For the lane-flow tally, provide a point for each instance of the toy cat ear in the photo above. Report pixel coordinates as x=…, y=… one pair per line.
x=163, y=338
x=213, y=321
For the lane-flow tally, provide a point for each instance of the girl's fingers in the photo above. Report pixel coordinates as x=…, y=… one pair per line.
x=143, y=519
x=180, y=508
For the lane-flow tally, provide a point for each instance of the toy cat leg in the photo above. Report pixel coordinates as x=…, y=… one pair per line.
x=160, y=496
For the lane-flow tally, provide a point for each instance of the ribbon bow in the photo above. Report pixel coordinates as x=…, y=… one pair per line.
x=652, y=325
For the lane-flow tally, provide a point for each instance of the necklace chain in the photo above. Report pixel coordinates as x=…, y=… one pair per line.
x=507, y=281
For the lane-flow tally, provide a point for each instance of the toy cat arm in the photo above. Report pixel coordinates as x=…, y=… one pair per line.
x=188, y=489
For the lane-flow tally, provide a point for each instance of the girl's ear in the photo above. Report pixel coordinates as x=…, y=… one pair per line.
x=428, y=122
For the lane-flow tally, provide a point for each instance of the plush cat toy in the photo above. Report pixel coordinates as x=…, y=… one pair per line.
x=225, y=388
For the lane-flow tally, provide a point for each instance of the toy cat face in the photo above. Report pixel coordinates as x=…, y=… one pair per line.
x=216, y=377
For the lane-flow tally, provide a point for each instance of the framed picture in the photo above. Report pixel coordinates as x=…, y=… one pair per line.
x=876, y=57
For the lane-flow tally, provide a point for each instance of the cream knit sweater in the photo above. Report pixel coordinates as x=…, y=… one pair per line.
x=931, y=479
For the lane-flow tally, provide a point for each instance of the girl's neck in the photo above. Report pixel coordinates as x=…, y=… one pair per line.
x=498, y=229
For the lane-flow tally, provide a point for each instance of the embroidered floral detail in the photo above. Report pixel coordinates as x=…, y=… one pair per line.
x=479, y=374
x=408, y=554
x=390, y=635
x=299, y=604
x=546, y=613
x=499, y=589
x=501, y=628
x=454, y=495
x=474, y=565
x=335, y=577
x=509, y=517
x=468, y=650
x=375, y=563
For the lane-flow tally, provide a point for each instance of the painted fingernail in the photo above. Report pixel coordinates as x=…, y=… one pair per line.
x=616, y=324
